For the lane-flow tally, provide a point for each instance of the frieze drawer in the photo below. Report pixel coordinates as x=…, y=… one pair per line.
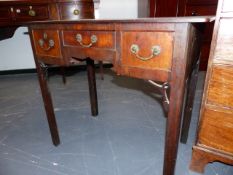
x=47, y=45
x=146, y=51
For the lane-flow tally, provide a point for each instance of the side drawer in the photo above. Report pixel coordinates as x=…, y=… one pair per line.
x=145, y=50
x=220, y=92
x=76, y=10
x=38, y=12
x=216, y=129
x=89, y=39
x=47, y=45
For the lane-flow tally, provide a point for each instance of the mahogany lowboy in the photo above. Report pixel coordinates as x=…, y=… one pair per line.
x=165, y=50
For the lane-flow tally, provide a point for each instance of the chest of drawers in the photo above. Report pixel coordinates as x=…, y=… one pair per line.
x=214, y=139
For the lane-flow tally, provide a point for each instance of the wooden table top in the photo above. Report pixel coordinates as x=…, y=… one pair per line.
x=193, y=19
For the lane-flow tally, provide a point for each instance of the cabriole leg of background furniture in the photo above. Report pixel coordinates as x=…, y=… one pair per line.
x=48, y=103
x=92, y=86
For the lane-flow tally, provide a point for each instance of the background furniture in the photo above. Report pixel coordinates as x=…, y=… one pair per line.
x=166, y=8
x=215, y=132
x=15, y=13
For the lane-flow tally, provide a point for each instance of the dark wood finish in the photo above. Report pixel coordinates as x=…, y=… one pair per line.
x=47, y=100
x=214, y=139
x=45, y=50
x=22, y=12
x=92, y=86
x=7, y=32
x=204, y=2
x=104, y=39
x=145, y=41
x=101, y=70
x=163, y=8
x=15, y=13
x=85, y=10
x=48, y=105
x=178, y=38
x=169, y=8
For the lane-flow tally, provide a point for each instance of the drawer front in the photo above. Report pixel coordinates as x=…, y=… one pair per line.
x=216, y=129
x=223, y=51
x=147, y=50
x=200, y=10
x=220, y=92
x=202, y=2
x=5, y=14
x=47, y=43
x=31, y=12
x=89, y=39
x=78, y=10
x=227, y=6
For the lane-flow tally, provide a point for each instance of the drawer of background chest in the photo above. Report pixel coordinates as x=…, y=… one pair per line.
x=5, y=13
x=38, y=12
x=78, y=10
x=220, y=92
x=146, y=51
x=89, y=39
x=216, y=129
x=47, y=45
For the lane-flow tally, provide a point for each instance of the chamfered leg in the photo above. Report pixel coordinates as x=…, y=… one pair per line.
x=92, y=86
x=41, y=71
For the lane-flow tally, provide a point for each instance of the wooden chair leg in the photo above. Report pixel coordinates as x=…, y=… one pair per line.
x=48, y=103
x=63, y=73
x=189, y=104
x=101, y=70
x=92, y=86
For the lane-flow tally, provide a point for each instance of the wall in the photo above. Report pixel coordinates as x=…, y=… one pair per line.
x=16, y=53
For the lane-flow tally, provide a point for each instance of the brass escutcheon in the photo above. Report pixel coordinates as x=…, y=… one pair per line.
x=31, y=12
x=76, y=12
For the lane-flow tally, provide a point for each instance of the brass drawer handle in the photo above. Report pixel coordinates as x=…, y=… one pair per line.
x=42, y=41
x=31, y=12
x=156, y=50
x=76, y=12
x=94, y=39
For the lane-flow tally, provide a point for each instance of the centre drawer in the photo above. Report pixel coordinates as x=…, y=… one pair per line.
x=89, y=39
